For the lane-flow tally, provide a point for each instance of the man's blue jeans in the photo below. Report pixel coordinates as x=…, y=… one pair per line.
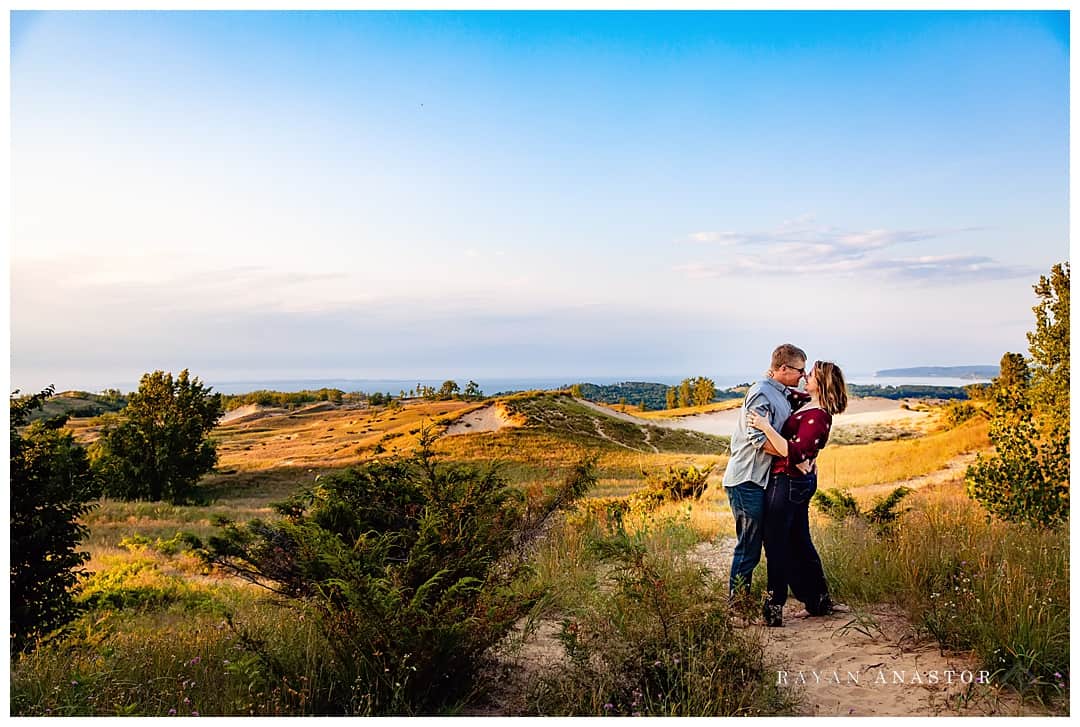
x=748, y=506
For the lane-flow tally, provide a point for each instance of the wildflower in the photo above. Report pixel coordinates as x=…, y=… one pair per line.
x=195, y=661
x=195, y=713
x=656, y=663
x=187, y=700
x=637, y=714
x=74, y=683
x=609, y=705
x=225, y=662
x=172, y=712
x=1057, y=675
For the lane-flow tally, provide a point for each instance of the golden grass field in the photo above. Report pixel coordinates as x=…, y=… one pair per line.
x=687, y=410
x=263, y=459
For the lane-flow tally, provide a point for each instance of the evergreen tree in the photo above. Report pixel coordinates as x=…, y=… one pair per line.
x=51, y=485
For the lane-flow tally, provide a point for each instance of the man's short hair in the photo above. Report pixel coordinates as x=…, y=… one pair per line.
x=787, y=354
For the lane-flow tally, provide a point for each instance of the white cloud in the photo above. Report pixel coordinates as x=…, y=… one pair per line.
x=813, y=249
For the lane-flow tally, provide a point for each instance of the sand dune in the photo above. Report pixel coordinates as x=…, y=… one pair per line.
x=861, y=411
x=248, y=413
x=488, y=419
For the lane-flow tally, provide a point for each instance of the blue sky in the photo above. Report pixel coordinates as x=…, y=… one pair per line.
x=362, y=194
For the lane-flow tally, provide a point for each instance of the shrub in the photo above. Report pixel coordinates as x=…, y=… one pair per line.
x=658, y=641
x=680, y=483
x=836, y=504
x=675, y=485
x=840, y=505
x=958, y=412
x=407, y=564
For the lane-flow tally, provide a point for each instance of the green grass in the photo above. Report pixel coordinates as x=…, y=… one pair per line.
x=136, y=661
x=996, y=589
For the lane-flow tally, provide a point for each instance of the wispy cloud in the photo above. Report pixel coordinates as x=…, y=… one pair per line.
x=806, y=247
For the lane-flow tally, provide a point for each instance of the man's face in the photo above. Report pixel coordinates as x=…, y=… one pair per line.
x=790, y=373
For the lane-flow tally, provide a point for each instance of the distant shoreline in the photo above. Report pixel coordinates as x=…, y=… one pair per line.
x=493, y=385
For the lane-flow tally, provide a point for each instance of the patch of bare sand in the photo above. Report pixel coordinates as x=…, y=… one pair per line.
x=861, y=411
x=487, y=419
x=517, y=663
x=249, y=412
x=870, y=410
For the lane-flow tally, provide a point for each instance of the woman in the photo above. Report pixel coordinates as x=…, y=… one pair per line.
x=792, y=559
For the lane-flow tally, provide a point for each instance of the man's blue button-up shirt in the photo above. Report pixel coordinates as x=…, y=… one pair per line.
x=749, y=462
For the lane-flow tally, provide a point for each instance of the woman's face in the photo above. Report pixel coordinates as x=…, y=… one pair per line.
x=811, y=380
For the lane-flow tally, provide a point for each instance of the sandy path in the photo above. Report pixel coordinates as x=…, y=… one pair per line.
x=953, y=470
x=616, y=414
x=866, y=663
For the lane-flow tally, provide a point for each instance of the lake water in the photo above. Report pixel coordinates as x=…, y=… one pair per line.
x=496, y=385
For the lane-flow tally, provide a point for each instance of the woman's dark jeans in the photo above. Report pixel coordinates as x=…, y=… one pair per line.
x=792, y=559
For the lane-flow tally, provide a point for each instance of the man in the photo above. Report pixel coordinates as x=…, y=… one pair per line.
x=747, y=472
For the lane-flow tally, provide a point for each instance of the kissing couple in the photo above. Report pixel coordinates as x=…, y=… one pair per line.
x=772, y=475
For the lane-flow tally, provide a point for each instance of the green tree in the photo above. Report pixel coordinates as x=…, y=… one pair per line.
x=51, y=485
x=1027, y=479
x=1049, y=346
x=704, y=390
x=1013, y=373
x=449, y=389
x=685, y=393
x=161, y=446
x=472, y=390
x=671, y=397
